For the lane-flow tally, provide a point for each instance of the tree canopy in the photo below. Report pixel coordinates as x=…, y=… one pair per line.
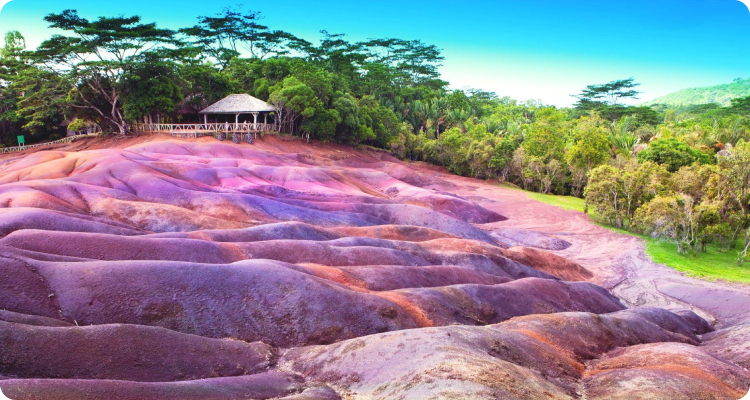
x=644, y=168
x=673, y=154
x=94, y=59
x=598, y=95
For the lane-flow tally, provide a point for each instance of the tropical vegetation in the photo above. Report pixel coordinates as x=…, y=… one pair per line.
x=675, y=172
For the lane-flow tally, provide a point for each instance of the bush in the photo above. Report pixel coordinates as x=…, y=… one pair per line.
x=673, y=154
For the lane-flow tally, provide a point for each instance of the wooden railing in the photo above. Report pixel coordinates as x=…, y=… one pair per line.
x=196, y=130
x=67, y=139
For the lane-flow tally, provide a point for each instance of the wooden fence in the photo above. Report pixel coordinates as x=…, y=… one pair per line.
x=240, y=132
x=67, y=139
x=196, y=130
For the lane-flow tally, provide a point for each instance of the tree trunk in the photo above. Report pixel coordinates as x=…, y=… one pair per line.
x=743, y=254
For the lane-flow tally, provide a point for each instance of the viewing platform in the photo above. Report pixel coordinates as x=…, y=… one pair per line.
x=233, y=117
x=209, y=129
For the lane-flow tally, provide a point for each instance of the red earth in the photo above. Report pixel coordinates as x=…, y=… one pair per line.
x=166, y=268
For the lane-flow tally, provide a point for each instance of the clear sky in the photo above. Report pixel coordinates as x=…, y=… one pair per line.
x=526, y=49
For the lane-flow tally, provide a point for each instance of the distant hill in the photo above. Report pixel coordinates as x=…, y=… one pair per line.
x=722, y=94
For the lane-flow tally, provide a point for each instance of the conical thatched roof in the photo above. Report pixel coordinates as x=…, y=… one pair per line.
x=237, y=104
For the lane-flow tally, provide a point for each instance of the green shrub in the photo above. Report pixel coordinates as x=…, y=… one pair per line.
x=673, y=154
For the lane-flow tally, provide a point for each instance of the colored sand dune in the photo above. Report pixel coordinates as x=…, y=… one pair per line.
x=203, y=270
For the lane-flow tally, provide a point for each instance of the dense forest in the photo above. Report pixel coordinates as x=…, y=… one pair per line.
x=722, y=94
x=675, y=172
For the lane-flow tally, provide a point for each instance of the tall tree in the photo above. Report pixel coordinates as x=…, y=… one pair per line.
x=32, y=100
x=224, y=36
x=95, y=58
x=741, y=105
x=294, y=101
x=150, y=86
x=616, y=192
x=736, y=181
x=11, y=65
x=44, y=102
x=673, y=154
x=589, y=149
x=594, y=96
x=670, y=217
x=414, y=60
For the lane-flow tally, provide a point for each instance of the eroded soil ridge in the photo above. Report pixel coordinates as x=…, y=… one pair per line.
x=167, y=269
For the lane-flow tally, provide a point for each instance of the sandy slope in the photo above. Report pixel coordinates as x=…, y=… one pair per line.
x=310, y=271
x=618, y=261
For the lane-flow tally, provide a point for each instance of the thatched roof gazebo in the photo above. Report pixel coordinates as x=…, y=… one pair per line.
x=217, y=118
x=237, y=105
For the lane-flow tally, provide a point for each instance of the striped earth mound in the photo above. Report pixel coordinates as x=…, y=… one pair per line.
x=163, y=269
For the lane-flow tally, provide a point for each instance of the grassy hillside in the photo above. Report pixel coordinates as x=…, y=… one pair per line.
x=722, y=94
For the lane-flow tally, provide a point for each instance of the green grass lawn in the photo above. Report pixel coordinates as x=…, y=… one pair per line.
x=564, y=202
x=710, y=265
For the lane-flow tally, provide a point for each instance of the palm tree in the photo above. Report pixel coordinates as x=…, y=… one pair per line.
x=514, y=128
x=728, y=130
x=458, y=117
x=622, y=136
x=417, y=115
x=435, y=111
x=492, y=126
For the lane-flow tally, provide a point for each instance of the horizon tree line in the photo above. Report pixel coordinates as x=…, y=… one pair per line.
x=388, y=93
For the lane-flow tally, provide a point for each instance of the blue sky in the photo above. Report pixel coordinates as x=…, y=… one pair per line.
x=526, y=49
